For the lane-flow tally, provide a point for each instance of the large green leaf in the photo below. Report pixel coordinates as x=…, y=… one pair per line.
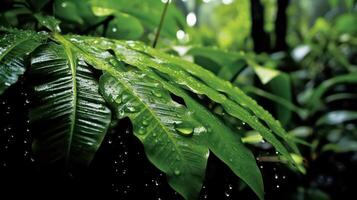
x=180, y=72
x=170, y=134
x=205, y=82
x=222, y=141
x=15, y=46
x=69, y=117
x=143, y=93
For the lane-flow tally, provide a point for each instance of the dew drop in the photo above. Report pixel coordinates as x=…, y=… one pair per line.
x=177, y=172
x=145, y=122
x=130, y=109
x=184, y=128
x=141, y=131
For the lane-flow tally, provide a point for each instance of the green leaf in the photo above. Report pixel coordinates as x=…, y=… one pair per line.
x=222, y=141
x=68, y=11
x=227, y=64
x=15, y=46
x=144, y=94
x=143, y=61
x=265, y=74
x=281, y=87
x=169, y=133
x=313, y=99
x=37, y=4
x=69, y=117
x=202, y=81
x=49, y=22
x=337, y=117
x=124, y=27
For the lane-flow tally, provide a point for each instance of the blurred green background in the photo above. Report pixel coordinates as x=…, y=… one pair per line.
x=297, y=58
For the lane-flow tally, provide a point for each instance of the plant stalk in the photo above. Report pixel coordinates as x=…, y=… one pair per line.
x=161, y=23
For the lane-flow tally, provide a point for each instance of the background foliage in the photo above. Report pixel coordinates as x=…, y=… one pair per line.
x=297, y=58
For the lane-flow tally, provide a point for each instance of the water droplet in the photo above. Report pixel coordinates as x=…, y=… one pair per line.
x=114, y=29
x=184, y=128
x=277, y=186
x=130, y=109
x=284, y=177
x=110, y=141
x=121, y=113
x=261, y=167
x=64, y=4
x=276, y=176
x=177, y=172
x=141, y=131
x=145, y=122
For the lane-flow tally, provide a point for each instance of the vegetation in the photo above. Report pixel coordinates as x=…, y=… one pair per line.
x=191, y=77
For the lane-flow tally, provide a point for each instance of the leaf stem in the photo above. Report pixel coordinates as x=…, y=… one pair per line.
x=161, y=23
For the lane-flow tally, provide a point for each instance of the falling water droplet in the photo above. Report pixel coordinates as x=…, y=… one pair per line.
x=276, y=176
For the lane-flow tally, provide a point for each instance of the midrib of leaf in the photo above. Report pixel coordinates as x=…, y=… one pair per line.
x=104, y=66
x=72, y=66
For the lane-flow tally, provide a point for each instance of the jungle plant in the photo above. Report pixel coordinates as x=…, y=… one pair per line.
x=73, y=108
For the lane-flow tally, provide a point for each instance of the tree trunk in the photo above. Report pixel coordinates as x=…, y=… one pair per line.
x=281, y=26
x=260, y=37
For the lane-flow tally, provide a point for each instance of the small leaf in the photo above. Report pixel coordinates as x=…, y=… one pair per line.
x=265, y=74
x=68, y=116
x=337, y=117
x=49, y=22
x=15, y=46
